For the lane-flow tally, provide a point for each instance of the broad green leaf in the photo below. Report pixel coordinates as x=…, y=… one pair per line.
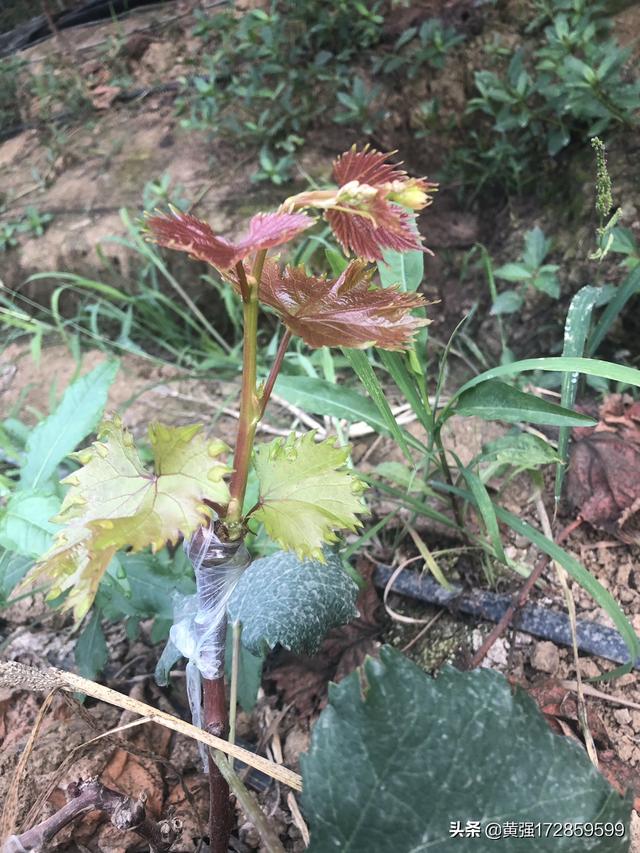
x=360, y=364
x=395, y=761
x=281, y=599
x=307, y=493
x=405, y=269
x=26, y=525
x=546, y=281
x=536, y=247
x=576, y=331
x=114, y=502
x=91, y=648
x=77, y=415
x=521, y=450
x=13, y=568
x=320, y=397
x=507, y=302
x=494, y=400
x=514, y=272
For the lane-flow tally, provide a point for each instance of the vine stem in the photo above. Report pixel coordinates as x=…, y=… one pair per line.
x=252, y=405
x=249, y=403
x=275, y=370
x=216, y=722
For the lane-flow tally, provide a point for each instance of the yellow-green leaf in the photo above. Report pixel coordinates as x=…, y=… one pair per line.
x=307, y=493
x=115, y=502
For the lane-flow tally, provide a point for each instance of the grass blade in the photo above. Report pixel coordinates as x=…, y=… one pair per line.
x=360, y=364
x=576, y=331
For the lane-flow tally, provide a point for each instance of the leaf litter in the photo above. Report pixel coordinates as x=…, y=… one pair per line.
x=603, y=481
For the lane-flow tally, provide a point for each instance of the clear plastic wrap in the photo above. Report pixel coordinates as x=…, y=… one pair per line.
x=200, y=621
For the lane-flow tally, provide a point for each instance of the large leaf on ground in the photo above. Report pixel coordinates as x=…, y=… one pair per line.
x=307, y=493
x=114, y=502
x=77, y=415
x=497, y=401
x=393, y=770
x=281, y=599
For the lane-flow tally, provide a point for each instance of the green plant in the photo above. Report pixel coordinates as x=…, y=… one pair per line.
x=429, y=44
x=529, y=270
x=273, y=72
x=31, y=222
x=570, y=82
x=357, y=104
x=161, y=193
x=307, y=495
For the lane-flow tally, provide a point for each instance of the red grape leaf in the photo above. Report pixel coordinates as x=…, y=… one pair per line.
x=186, y=233
x=346, y=311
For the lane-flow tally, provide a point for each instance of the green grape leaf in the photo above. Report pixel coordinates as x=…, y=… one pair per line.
x=406, y=756
x=307, y=493
x=281, y=599
x=114, y=502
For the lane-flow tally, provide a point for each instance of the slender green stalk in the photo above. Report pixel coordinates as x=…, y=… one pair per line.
x=233, y=690
x=249, y=408
x=252, y=809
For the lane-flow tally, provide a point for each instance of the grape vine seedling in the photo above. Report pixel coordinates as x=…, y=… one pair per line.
x=308, y=493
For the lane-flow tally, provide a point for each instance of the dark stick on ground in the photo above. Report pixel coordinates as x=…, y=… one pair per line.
x=125, y=814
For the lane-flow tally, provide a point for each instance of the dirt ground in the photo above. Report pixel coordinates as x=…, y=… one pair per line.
x=102, y=167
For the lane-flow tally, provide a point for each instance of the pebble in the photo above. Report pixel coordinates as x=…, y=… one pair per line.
x=588, y=668
x=545, y=658
x=622, y=716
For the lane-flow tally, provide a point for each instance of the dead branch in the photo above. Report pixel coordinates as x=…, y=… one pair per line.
x=125, y=814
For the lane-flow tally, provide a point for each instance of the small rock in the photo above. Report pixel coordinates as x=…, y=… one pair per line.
x=545, y=658
x=622, y=716
x=588, y=668
x=521, y=541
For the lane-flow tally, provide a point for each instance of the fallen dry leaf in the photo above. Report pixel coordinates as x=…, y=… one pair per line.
x=559, y=705
x=620, y=775
x=303, y=679
x=603, y=480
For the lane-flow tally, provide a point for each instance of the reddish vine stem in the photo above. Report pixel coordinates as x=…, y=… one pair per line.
x=216, y=720
x=275, y=370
